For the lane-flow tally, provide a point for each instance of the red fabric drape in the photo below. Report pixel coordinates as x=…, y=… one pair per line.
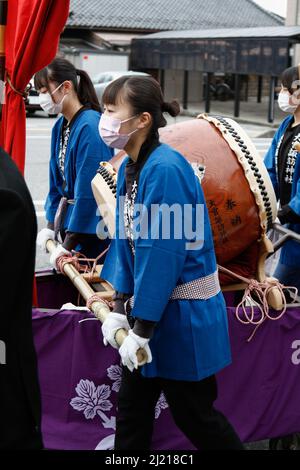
x=31, y=42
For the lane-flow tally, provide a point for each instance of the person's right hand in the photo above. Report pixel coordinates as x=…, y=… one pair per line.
x=43, y=236
x=128, y=351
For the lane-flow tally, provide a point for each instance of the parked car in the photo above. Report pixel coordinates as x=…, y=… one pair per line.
x=103, y=79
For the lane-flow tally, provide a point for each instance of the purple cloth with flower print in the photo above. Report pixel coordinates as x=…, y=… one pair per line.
x=80, y=378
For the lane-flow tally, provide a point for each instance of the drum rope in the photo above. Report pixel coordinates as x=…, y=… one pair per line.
x=97, y=298
x=256, y=293
x=77, y=259
x=89, y=267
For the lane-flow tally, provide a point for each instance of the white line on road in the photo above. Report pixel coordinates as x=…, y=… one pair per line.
x=38, y=137
x=38, y=204
x=39, y=129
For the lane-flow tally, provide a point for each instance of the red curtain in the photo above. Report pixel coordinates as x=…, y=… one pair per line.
x=31, y=41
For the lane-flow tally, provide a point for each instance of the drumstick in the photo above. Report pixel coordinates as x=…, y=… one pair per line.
x=100, y=309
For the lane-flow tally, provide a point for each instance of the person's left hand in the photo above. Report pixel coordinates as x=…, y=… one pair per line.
x=43, y=236
x=129, y=348
x=56, y=253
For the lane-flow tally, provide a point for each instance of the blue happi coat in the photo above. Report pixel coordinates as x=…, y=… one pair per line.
x=290, y=253
x=84, y=152
x=190, y=341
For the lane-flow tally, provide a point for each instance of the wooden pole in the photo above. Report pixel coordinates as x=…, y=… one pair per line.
x=100, y=309
x=185, y=89
x=207, y=92
x=271, y=110
x=260, y=88
x=237, y=99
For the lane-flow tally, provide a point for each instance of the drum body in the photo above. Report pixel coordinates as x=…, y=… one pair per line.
x=237, y=188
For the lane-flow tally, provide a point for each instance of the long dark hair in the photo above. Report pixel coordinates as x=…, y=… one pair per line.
x=143, y=94
x=289, y=77
x=60, y=70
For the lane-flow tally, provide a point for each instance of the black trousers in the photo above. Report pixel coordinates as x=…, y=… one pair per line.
x=191, y=405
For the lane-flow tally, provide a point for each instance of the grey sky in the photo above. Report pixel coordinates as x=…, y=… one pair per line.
x=277, y=6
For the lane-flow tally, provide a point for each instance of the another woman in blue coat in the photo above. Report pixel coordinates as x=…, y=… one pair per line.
x=184, y=328
x=283, y=164
x=76, y=150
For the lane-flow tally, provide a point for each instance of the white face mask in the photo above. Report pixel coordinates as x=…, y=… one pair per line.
x=284, y=103
x=47, y=103
x=109, y=128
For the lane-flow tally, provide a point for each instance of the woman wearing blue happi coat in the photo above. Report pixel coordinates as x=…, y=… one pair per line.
x=178, y=312
x=76, y=150
x=283, y=164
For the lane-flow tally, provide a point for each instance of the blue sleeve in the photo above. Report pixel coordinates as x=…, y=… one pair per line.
x=118, y=265
x=55, y=180
x=270, y=165
x=159, y=259
x=295, y=201
x=270, y=161
x=90, y=151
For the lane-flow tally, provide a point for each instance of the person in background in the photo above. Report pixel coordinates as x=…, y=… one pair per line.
x=283, y=164
x=76, y=151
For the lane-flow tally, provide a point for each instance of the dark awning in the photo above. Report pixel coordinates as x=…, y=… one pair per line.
x=259, y=51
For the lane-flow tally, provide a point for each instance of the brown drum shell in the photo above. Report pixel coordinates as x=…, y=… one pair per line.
x=232, y=207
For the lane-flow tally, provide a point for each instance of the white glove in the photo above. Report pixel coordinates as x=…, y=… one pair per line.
x=111, y=325
x=129, y=348
x=59, y=251
x=43, y=236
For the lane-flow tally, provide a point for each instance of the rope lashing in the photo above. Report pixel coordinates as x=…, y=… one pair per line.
x=257, y=293
x=76, y=259
x=89, y=267
x=96, y=298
